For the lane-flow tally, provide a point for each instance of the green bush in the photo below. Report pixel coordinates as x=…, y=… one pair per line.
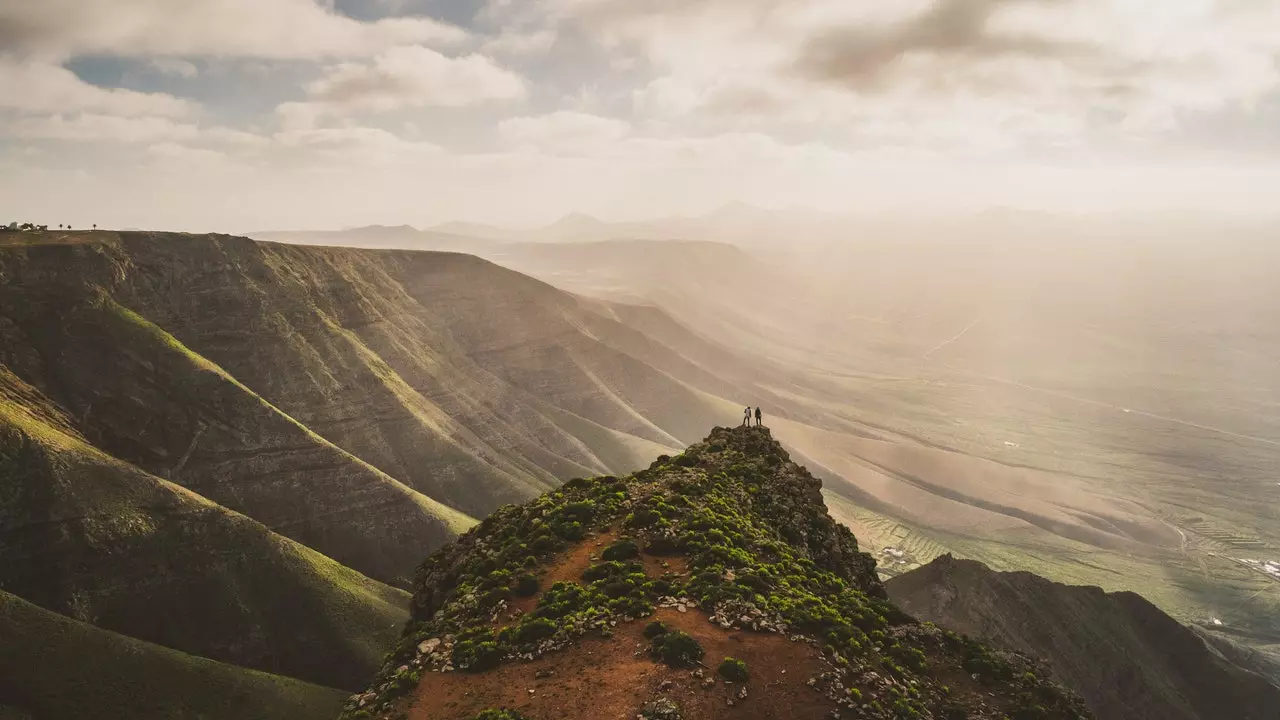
x=654, y=629
x=534, y=630
x=624, y=549
x=733, y=669
x=677, y=649
x=476, y=651
x=526, y=585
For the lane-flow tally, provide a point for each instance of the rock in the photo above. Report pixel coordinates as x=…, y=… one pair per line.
x=427, y=647
x=544, y=673
x=665, y=685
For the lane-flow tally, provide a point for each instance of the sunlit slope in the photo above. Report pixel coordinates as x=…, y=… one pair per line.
x=140, y=394
x=1099, y=411
x=247, y=371
x=55, y=667
x=94, y=538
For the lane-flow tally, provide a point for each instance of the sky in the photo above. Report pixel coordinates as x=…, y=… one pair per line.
x=241, y=115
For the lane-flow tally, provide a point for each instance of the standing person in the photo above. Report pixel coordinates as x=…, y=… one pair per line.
x=746, y=416
x=757, y=417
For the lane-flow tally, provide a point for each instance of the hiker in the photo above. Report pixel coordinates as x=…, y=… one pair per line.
x=746, y=416
x=757, y=417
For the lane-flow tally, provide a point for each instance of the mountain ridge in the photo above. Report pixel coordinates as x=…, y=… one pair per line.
x=727, y=544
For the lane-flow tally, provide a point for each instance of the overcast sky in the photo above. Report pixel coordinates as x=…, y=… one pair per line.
x=238, y=115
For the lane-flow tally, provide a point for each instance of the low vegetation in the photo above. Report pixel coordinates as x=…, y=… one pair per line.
x=733, y=669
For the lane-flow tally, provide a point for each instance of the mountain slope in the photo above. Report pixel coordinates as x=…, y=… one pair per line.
x=88, y=536
x=55, y=667
x=728, y=550
x=1127, y=659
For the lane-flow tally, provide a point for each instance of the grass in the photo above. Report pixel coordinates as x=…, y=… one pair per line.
x=197, y=576
x=52, y=666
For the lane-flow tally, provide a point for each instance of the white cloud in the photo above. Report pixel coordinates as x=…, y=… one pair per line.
x=1043, y=71
x=39, y=87
x=91, y=127
x=175, y=157
x=413, y=76
x=563, y=131
x=226, y=28
x=174, y=66
x=356, y=145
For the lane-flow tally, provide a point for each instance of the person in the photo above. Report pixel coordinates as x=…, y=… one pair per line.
x=757, y=417
x=746, y=416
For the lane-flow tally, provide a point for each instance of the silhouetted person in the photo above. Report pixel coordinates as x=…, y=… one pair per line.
x=746, y=416
x=757, y=417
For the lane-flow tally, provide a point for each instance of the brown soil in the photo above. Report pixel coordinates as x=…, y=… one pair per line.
x=603, y=679
x=568, y=568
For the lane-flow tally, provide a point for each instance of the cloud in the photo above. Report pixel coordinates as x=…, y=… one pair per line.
x=93, y=127
x=413, y=76
x=563, y=131
x=59, y=29
x=39, y=87
x=175, y=157
x=174, y=66
x=416, y=76
x=939, y=71
x=355, y=145
x=859, y=56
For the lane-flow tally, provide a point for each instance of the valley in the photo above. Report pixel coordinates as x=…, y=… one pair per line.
x=239, y=450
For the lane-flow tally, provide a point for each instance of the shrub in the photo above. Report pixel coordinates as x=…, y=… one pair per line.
x=733, y=669
x=662, y=545
x=535, y=630
x=677, y=649
x=476, y=651
x=526, y=585
x=624, y=549
x=654, y=629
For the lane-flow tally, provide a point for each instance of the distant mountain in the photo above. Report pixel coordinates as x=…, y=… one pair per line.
x=711, y=585
x=1127, y=659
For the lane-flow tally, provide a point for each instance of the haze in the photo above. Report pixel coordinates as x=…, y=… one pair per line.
x=238, y=115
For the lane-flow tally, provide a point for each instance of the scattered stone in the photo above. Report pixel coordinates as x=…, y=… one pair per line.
x=664, y=685
x=544, y=673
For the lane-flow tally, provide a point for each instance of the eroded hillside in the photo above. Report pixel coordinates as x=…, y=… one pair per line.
x=712, y=584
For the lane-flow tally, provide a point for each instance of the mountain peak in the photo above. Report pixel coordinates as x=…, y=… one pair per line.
x=710, y=584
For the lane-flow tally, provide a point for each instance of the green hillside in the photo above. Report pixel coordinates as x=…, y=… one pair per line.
x=93, y=538
x=55, y=667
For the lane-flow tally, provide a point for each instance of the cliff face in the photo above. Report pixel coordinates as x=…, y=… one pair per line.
x=711, y=585
x=1127, y=659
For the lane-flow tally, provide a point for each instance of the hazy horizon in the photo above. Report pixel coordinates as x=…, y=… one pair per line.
x=274, y=114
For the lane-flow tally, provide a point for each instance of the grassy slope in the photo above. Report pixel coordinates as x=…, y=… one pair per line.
x=53, y=667
x=1127, y=659
x=92, y=537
